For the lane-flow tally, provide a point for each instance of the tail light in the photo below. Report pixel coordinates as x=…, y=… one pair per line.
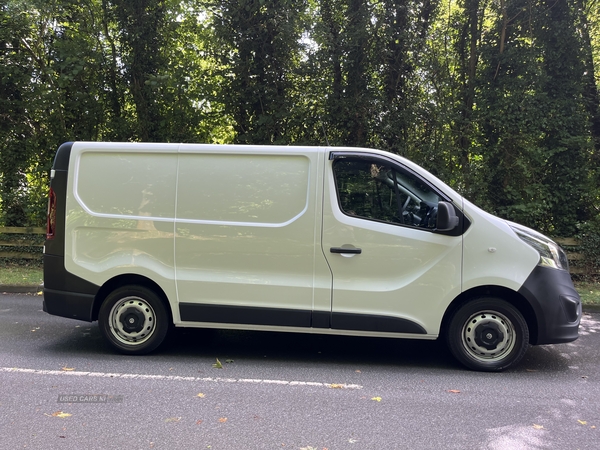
x=51, y=219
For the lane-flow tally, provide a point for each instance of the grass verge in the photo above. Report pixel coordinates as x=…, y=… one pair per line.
x=589, y=292
x=33, y=276
x=20, y=275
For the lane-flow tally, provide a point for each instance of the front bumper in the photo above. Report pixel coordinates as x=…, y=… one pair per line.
x=556, y=305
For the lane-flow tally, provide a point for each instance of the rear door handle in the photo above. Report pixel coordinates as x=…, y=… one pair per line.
x=354, y=251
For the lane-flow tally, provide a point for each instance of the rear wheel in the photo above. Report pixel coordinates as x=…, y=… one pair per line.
x=134, y=320
x=488, y=334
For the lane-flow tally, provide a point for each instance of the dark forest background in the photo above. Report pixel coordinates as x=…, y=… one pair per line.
x=499, y=98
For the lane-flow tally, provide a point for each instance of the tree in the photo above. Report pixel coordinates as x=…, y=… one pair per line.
x=258, y=46
x=500, y=99
x=16, y=128
x=566, y=135
x=141, y=25
x=535, y=139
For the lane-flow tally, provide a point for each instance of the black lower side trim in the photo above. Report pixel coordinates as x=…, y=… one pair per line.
x=68, y=304
x=321, y=319
x=248, y=315
x=366, y=322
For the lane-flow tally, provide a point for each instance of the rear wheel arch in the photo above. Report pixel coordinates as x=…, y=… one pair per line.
x=127, y=280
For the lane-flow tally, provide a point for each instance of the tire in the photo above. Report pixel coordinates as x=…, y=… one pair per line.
x=488, y=334
x=134, y=320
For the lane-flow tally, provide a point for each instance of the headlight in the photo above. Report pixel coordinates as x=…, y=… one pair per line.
x=551, y=255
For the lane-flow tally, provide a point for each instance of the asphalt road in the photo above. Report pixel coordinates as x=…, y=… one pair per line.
x=284, y=391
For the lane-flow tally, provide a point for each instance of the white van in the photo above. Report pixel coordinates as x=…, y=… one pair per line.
x=344, y=241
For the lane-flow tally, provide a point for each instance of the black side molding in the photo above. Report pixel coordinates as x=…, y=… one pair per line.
x=249, y=315
x=366, y=322
x=246, y=315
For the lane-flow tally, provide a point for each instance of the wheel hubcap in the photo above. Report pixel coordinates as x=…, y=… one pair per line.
x=132, y=320
x=488, y=336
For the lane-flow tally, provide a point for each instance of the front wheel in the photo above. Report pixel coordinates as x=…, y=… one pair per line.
x=134, y=320
x=488, y=334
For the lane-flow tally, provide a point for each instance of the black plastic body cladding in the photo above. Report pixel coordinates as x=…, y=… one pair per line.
x=556, y=304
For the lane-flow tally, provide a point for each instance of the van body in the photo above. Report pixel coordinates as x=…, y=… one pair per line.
x=330, y=240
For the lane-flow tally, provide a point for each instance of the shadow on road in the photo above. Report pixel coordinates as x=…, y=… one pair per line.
x=188, y=345
x=308, y=348
x=25, y=326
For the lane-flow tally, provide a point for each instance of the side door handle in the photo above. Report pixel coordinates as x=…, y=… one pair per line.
x=353, y=251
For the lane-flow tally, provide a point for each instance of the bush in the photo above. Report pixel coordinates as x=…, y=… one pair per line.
x=589, y=245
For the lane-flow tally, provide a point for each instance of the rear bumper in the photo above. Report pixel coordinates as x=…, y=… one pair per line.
x=65, y=294
x=69, y=304
x=556, y=304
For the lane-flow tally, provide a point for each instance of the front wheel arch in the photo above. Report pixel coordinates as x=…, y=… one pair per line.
x=508, y=295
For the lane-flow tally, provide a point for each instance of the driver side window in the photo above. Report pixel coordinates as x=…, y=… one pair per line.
x=377, y=191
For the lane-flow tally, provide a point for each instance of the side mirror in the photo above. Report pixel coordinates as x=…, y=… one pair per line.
x=447, y=220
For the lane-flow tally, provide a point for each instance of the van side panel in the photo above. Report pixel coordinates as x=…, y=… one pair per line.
x=139, y=186
x=245, y=236
x=242, y=190
x=120, y=209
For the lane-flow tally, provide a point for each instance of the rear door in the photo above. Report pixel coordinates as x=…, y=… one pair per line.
x=392, y=271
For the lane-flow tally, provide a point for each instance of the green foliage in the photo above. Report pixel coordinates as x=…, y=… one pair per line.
x=589, y=244
x=532, y=131
x=24, y=274
x=16, y=127
x=257, y=44
x=589, y=292
x=499, y=99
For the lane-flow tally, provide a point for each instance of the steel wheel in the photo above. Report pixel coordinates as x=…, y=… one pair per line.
x=134, y=320
x=488, y=334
